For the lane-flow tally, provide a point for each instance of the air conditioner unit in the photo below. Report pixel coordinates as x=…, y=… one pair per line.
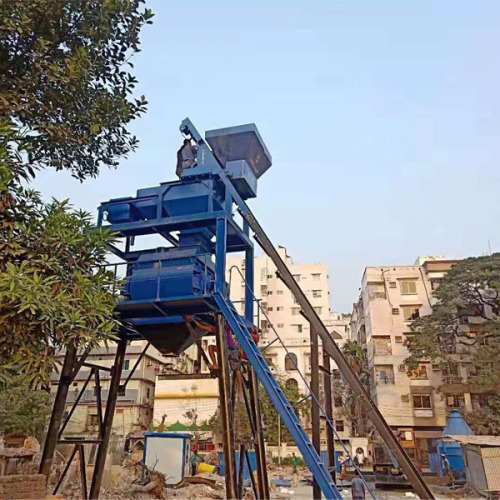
x=405, y=398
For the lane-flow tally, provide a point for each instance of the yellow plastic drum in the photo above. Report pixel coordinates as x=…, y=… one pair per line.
x=202, y=467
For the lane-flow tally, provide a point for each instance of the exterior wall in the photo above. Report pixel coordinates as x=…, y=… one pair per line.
x=22, y=486
x=282, y=310
x=175, y=397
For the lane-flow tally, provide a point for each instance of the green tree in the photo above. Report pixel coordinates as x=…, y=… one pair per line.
x=242, y=428
x=65, y=91
x=66, y=99
x=23, y=410
x=270, y=415
x=465, y=324
x=350, y=409
x=51, y=293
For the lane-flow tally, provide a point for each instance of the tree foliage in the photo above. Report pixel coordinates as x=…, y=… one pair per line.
x=270, y=415
x=23, y=410
x=241, y=422
x=66, y=100
x=465, y=327
x=350, y=409
x=65, y=91
x=51, y=293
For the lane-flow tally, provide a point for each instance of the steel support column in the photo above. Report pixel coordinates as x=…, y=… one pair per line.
x=224, y=398
x=65, y=380
x=114, y=386
x=260, y=449
x=330, y=439
x=220, y=255
x=315, y=418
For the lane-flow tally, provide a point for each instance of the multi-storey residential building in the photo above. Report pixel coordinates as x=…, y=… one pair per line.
x=280, y=312
x=134, y=409
x=391, y=298
x=281, y=315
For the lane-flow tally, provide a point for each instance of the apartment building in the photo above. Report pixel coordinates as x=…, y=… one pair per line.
x=134, y=409
x=279, y=313
x=391, y=298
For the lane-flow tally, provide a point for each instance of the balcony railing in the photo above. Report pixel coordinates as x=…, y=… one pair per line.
x=452, y=379
x=384, y=379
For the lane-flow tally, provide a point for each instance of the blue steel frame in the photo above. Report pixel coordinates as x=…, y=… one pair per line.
x=229, y=236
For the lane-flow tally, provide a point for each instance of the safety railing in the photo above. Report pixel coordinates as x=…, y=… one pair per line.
x=311, y=393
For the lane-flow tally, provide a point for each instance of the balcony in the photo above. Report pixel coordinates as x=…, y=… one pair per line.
x=452, y=379
x=384, y=379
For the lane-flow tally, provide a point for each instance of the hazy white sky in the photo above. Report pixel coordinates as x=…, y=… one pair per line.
x=383, y=120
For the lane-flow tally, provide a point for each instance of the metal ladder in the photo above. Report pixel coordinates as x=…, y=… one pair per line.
x=284, y=408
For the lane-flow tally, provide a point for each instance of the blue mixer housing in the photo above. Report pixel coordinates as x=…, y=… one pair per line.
x=194, y=215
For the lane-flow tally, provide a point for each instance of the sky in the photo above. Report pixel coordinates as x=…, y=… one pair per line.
x=382, y=118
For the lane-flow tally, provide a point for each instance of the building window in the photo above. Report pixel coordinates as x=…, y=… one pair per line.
x=296, y=277
x=281, y=325
x=455, y=401
x=382, y=346
x=318, y=310
x=337, y=401
x=295, y=311
x=296, y=328
x=126, y=364
x=419, y=373
x=279, y=292
x=408, y=287
x=279, y=308
x=316, y=294
x=291, y=383
x=148, y=393
x=339, y=425
x=291, y=361
x=384, y=374
x=376, y=290
x=270, y=292
x=422, y=401
x=121, y=390
x=410, y=313
x=316, y=276
x=392, y=284
x=93, y=420
x=269, y=308
x=435, y=282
